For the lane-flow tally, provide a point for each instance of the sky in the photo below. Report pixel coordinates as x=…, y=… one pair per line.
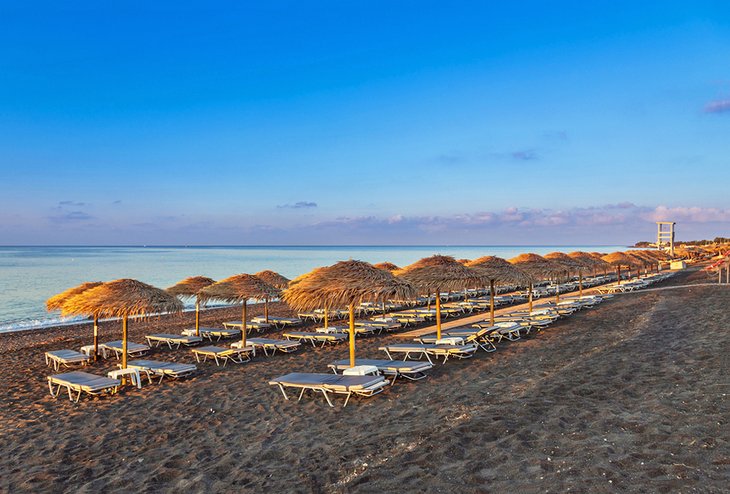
x=378, y=122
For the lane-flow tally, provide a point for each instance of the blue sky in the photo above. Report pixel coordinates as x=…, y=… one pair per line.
x=362, y=122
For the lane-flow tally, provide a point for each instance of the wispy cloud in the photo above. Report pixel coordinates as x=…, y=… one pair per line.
x=74, y=204
x=298, y=205
x=525, y=155
x=71, y=217
x=118, y=201
x=718, y=106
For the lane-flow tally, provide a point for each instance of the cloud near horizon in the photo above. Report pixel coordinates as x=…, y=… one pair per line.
x=298, y=205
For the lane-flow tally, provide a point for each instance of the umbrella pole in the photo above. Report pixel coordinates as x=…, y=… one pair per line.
x=243, y=325
x=96, y=338
x=491, y=302
x=438, y=314
x=266, y=309
x=352, y=335
x=326, y=318
x=124, y=342
x=557, y=290
x=530, y=297
x=580, y=283
x=197, y=317
x=618, y=273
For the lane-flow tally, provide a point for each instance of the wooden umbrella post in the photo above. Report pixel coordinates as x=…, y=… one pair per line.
x=96, y=338
x=580, y=283
x=124, y=342
x=326, y=318
x=352, y=335
x=530, y=297
x=197, y=317
x=491, y=302
x=618, y=273
x=243, y=325
x=557, y=289
x=266, y=309
x=438, y=314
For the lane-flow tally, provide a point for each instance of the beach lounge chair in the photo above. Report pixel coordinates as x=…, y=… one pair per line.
x=279, y=322
x=484, y=336
x=220, y=354
x=314, y=337
x=413, y=369
x=116, y=347
x=270, y=345
x=216, y=334
x=172, y=340
x=511, y=329
x=259, y=326
x=328, y=384
x=380, y=326
x=360, y=330
x=445, y=347
x=82, y=382
x=163, y=369
x=66, y=358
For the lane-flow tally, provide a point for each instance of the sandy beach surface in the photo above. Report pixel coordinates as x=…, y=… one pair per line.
x=629, y=396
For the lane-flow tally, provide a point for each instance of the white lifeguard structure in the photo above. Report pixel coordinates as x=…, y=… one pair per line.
x=665, y=236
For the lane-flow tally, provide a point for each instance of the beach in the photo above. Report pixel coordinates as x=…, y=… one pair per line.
x=628, y=396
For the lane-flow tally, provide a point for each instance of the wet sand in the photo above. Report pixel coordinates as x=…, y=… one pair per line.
x=629, y=396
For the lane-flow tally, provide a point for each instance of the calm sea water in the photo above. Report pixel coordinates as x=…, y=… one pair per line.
x=30, y=275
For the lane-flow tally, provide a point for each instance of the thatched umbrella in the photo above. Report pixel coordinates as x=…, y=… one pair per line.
x=498, y=270
x=277, y=281
x=619, y=259
x=643, y=259
x=537, y=267
x=345, y=283
x=571, y=266
x=589, y=263
x=56, y=303
x=122, y=298
x=438, y=273
x=239, y=288
x=189, y=288
x=388, y=266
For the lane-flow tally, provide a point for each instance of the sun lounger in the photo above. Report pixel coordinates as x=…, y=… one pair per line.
x=314, y=337
x=172, y=340
x=270, y=345
x=413, y=370
x=163, y=369
x=360, y=330
x=441, y=349
x=328, y=384
x=65, y=358
x=221, y=354
x=82, y=382
x=483, y=336
x=380, y=326
x=216, y=334
x=259, y=326
x=279, y=322
x=116, y=347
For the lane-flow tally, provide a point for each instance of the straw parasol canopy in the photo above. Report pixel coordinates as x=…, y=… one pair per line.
x=498, y=270
x=619, y=259
x=537, y=267
x=274, y=279
x=189, y=288
x=277, y=281
x=589, y=261
x=388, y=266
x=56, y=303
x=239, y=288
x=345, y=283
x=571, y=266
x=437, y=273
x=122, y=298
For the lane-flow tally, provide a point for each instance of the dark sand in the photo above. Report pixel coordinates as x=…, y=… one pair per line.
x=629, y=396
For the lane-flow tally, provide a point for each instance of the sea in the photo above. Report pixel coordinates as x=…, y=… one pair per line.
x=30, y=275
